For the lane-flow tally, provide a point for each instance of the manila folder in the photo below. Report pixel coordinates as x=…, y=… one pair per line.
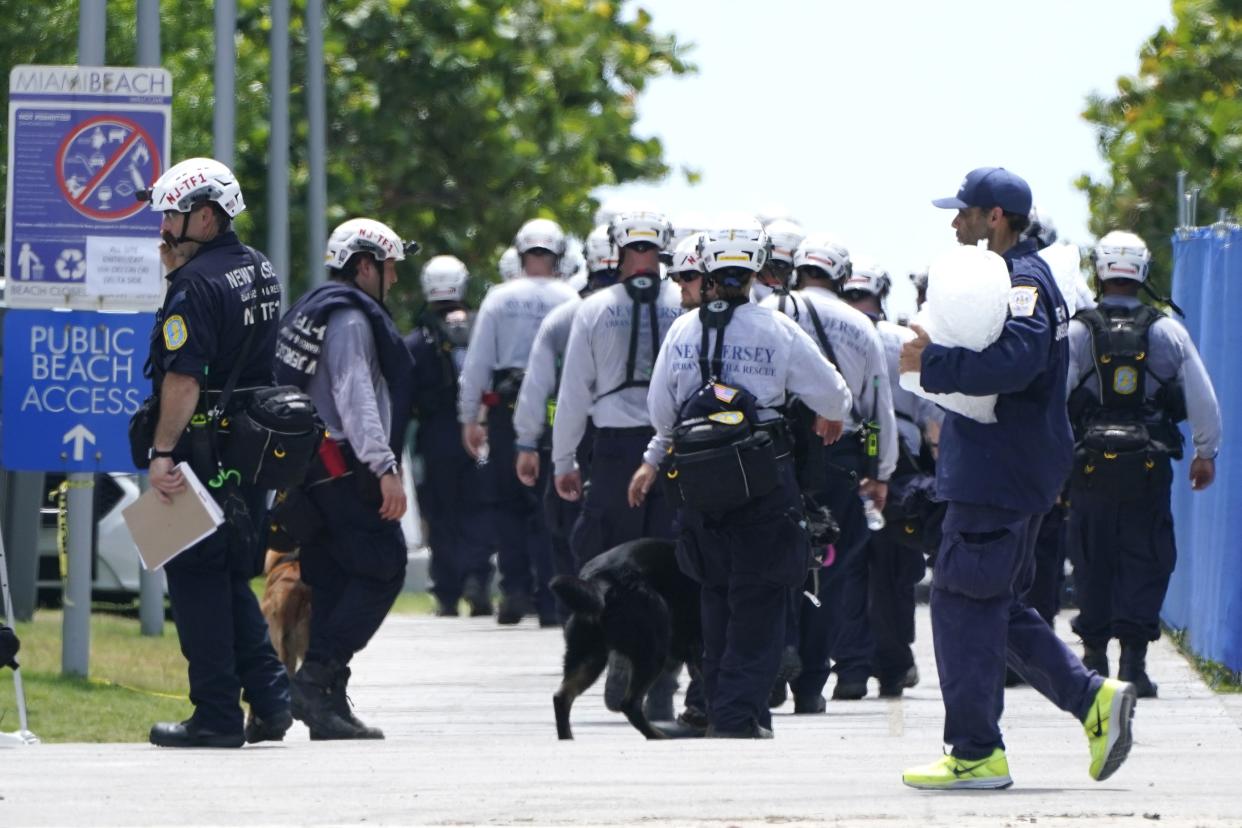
x=162, y=531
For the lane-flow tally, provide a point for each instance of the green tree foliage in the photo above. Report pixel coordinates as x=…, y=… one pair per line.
x=451, y=121
x=1179, y=112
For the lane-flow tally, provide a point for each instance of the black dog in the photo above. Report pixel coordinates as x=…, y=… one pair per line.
x=634, y=600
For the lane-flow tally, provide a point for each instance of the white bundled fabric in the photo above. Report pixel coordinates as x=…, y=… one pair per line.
x=967, y=304
x=1065, y=262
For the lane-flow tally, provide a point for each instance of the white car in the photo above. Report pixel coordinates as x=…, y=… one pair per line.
x=115, y=565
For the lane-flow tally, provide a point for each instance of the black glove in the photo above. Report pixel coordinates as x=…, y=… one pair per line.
x=9, y=645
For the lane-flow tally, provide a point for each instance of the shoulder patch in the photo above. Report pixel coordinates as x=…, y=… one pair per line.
x=176, y=333
x=1022, y=300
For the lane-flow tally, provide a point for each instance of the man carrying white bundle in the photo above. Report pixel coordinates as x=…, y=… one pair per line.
x=999, y=480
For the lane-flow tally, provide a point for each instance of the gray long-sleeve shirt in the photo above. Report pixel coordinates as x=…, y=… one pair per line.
x=1171, y=354
x=764, y=352
x=859, y=356
x=596, y=362
x=913, y=412
x=503, y=333
x=542, y=374
x=350, y=380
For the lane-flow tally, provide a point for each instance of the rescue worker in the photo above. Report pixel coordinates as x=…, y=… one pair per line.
x=999, y=480
x=835, y=636
x=1134, y=374
x=448, y=496
x=896, y=563
x=504, y=330
x=613, y=343
x=339, y=344
x=536, y=405
x=720, y=381
x=217, y=324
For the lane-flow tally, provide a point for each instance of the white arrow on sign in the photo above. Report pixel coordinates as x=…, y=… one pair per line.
x=80, y=435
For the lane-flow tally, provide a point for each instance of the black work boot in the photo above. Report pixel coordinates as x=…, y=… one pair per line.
x=1095, y=657
x=512, y=608
x=476, y=595
x=1133, y=668
x=312, y=689
x=189, y=735
x=789, y=669
x=269, y=728
x=343, y=707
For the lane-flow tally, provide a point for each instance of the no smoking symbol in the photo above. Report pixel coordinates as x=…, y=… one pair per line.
x=102, y=163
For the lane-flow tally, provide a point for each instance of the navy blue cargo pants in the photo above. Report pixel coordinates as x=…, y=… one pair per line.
x=607, y=518
x=980, y=622
x=355, y=569
x=222, y=632
x=746, y=562
x=1124, y=554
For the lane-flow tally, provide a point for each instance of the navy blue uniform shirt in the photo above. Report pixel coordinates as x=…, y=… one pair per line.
x=207, y=313
x=1022, y=460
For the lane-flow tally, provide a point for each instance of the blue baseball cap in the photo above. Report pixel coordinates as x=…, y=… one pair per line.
x=989, y=187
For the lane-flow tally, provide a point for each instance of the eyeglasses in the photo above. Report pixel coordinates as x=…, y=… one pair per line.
x=685, y=276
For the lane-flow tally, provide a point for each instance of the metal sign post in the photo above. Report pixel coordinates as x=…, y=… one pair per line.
x=23, y=736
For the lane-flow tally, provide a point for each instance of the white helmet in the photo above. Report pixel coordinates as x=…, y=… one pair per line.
x=444, y=279
x=364, y=235
x=741, y=242
x=192, y=182
x=1041, y=229
x=1122, y=255
x=598, y=250
x=640, y=225
x=686, y=255
x=869, y=277
x=826, y=253
x=540, y=234
x=510, y=265
x=570, y=263
x=786, y=236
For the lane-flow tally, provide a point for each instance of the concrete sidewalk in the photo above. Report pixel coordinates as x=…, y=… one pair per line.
x=467, y=709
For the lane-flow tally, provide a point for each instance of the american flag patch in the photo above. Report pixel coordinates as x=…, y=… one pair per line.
x=724, y=393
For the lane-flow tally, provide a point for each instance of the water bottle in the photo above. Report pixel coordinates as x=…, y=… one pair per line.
x=875, y=518
x=484, y=452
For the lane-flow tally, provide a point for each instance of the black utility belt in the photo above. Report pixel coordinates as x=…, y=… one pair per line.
x=629, y=431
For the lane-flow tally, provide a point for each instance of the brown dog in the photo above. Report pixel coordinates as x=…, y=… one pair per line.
x=286, y=606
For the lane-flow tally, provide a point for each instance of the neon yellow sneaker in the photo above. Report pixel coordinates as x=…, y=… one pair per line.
x=950, y=773
x=1108, y=727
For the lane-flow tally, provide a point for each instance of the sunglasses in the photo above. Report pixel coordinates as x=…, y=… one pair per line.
x=685, y=276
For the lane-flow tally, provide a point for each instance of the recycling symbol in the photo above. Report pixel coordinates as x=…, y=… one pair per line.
x=71, y=265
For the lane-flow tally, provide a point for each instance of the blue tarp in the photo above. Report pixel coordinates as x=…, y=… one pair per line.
x=1205, y=596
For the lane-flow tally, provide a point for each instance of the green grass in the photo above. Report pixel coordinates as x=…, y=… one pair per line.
x=134, y=680
x=1214, y=674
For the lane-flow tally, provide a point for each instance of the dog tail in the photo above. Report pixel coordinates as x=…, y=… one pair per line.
x=579, y=595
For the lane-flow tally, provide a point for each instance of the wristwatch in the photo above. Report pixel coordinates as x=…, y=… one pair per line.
x=153, y=453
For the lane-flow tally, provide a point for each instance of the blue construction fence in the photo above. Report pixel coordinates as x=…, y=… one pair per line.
x=1205, y=596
